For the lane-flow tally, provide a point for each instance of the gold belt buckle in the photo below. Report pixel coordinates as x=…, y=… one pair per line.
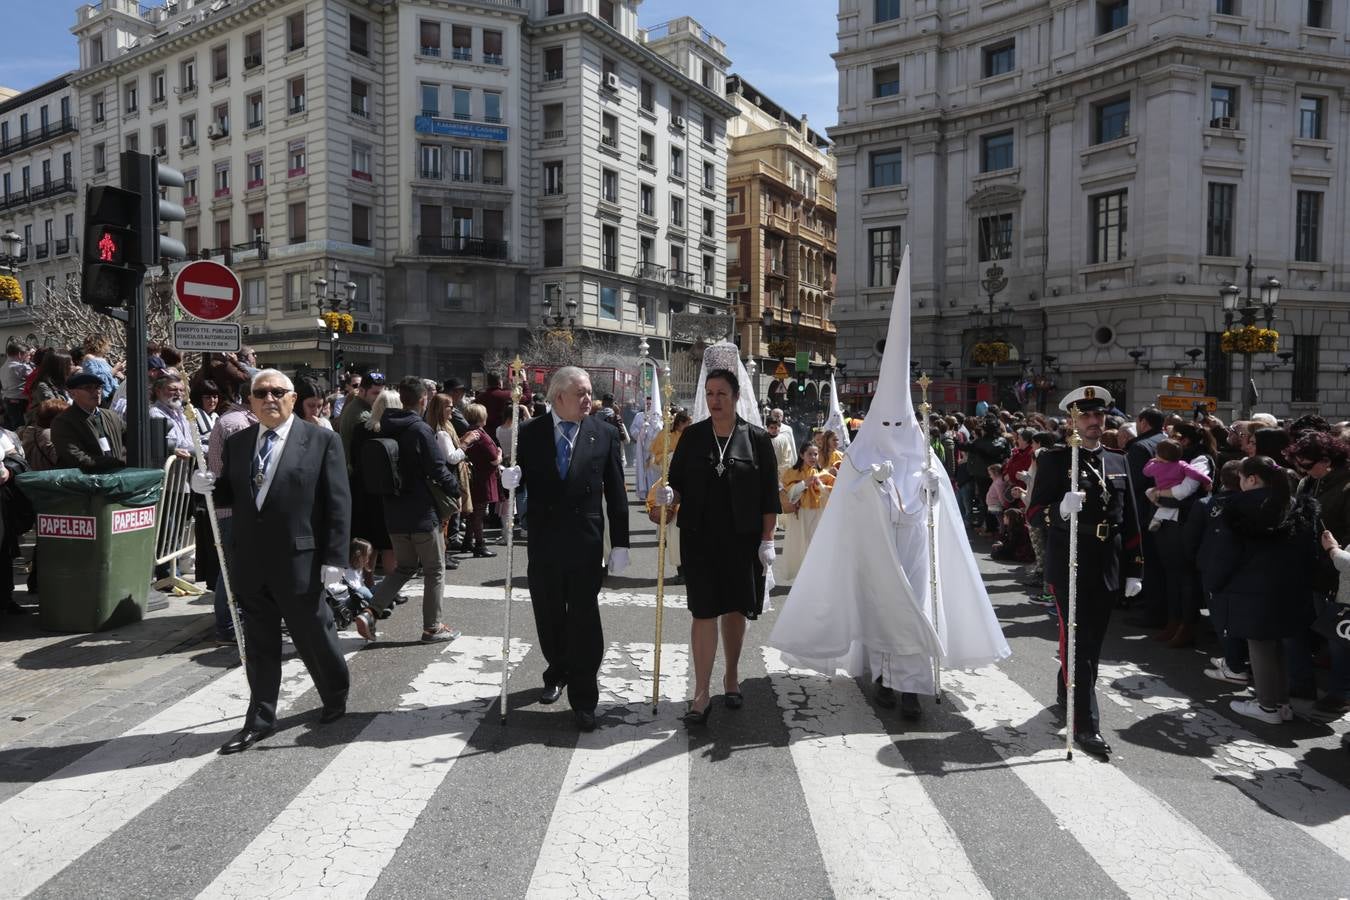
x=1103, y=531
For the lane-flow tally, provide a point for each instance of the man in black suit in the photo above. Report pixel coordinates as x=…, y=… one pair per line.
x=87, y=436
x=286, y=483
x=1140, y=449
x=570, y=460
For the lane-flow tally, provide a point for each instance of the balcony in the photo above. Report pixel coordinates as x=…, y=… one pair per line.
x=457, y=245
x=609, y=262
x=34, y=194
x=680, y=278
x=650, y=271
x=492, y=59
x=50, y=131
x=464, y=54
x=64, y=246
x=42, y=251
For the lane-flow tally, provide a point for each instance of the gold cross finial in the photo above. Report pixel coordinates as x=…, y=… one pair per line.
x=517, y=379
x=923, y=382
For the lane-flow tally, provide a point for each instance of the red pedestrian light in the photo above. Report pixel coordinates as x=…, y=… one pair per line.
x=108, y=251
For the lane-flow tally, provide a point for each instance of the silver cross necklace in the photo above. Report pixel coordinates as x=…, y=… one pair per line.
x=721, y=468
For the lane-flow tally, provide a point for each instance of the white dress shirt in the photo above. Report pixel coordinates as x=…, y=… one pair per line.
x=283, y=430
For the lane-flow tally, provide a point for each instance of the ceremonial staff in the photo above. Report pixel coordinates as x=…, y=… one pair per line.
x=200, y=457
x=666, y=419
x=517, y=378
x=925, y=409
x=1072, y=626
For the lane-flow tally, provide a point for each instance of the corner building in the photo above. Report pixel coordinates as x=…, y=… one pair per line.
x=1118, y=161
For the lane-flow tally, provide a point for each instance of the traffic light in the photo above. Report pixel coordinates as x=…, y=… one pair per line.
x=112, y=270
x=339, y=362
x=144, y=175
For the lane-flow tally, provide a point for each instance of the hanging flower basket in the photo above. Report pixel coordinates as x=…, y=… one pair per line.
x=10, y=292
x=989, y=353
x=342, y=323
x=1250, y=339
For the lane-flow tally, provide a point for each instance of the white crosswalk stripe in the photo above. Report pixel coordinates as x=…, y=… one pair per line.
x=621, y=824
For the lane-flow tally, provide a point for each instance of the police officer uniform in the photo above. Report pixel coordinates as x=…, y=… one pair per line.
x=1108, y=554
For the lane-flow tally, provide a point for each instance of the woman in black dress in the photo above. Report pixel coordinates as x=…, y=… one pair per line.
x=724, y=478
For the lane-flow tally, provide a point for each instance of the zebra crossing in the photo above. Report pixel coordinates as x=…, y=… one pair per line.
x=638, y=807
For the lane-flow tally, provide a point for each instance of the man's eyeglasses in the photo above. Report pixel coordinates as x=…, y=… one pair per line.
x=275, y=393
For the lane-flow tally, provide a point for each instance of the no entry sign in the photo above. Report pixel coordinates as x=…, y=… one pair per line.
x=207, y=290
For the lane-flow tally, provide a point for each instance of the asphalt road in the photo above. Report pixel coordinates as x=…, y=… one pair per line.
x=808, y=791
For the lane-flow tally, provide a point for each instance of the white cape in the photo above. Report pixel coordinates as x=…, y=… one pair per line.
x=863, y=598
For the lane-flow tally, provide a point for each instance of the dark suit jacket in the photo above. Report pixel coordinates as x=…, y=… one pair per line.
x=305, y=521
x=565, y=517
x=752, y=467
x=76, y=441
x=1138, y=452
x=1108, y=532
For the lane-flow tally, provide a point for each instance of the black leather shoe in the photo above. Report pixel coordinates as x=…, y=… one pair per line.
x=1093, y=743
x=331, y=714
x=733, y=699
x=483, y=552
x=909, y=707
x=884, y=696
x=550, y=694
x=585, y=719
x=246, y=738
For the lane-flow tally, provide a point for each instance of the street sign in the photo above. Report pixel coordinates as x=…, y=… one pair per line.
x=1176, y=384
x=207, y=290
x=1179, y=403
x=781, y=373
x=208, y=337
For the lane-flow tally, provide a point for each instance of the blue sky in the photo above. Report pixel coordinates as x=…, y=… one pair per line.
x=782, y=47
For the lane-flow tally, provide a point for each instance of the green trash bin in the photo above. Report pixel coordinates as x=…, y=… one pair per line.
x=95, y=545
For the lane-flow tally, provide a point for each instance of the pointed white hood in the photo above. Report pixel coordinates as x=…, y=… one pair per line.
x=835, y=422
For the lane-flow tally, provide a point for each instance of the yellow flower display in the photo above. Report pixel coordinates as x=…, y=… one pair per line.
x=10, y=292
x=989, y=353
x=342, y=323
x=1250, y=339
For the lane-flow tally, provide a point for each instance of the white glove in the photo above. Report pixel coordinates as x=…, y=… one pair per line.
x=511, y=477
x=882, y=471
x=330, y=576
x=767, y=554
x=1072, y=503
x=1133, y=586
x=202, y=482
x=664, y=496
x=618, y=560
x=454, y=457
x=931, y=479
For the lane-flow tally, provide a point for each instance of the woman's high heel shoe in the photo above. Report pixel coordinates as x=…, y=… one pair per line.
x=698, y=718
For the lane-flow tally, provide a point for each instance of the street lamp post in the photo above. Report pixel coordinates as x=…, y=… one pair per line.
x=11, y=254
x=990, y=320
x=1245, y=316
x=330, y=301
x=559, y=320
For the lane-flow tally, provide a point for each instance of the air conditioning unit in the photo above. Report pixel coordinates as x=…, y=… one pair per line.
x=645, y=158
x=677, y=122
x=214, y=131
x=744, y=286
x=1227, y=123
x=187, y=141
x=612, y=81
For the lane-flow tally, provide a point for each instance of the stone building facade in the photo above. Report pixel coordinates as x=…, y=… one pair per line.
x=1118, y=161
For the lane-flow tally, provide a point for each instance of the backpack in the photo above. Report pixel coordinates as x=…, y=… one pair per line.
x=378, y=462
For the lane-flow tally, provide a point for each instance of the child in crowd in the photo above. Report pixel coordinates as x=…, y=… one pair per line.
x=359, y=563
x=1172, y=477
x=1014, y=540
x=995, y=498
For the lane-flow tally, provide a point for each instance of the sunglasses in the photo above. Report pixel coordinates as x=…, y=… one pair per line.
x=275, y=393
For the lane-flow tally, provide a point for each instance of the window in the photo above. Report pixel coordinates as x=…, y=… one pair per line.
x=676, y=110
x=295, y=159
x=1112, y=14
x=221, y=182
x=492, y=47
x=253, y=50
x=1219, y=219
x=553, y=178
x=1306, y=362
x=1223, y=106
x=256, y=231
x=358, y=35
x=553, y=242
x=430, y=37
x=609, y=185
x=431, y=99
x=360, y=98
x=647, y=95
x=100, y=112
x=461, y=42
x=430, y=161
x=1317, y=14
x=457, y=294
x=609, y=303
x=1108, y=226
x=224, y=234
x=709, y=221
x=1308, y=227
x=647, y=148
x=676, y=162
x=129, y=96
x=647, y=200
x=159, y=138
x=607, y=12
x=996, y=151
x=733, y=254
x=999, y=59
x=257, y=175
x=553, y=122
x=609, y=248
x=887, y=10
x=1310, y=118
x=494, y=167
x=555, y=7
x=883, y=256
x=1110, y=120
x=253, y=104
x=220, y=62
x=492, y=106
x=677, y=259
x=553, y=64
x=609, y=130
x=361, y=156
x=363, y=282
x=430, y=219
x=100, y=158
x=361, y=225
x=187, y=128
x=461, y=103
x=886, y=168
x=255, y=296
x=709, y=272
x=676, y=211
x=607, y=68
x=1225, y=7
x=296, y=92
x=220, y=118
x=95, y=56
x=296, y=222
x=709, y=129
x=295, y=31
x=886, y=81
x=187, y=76
x=158, y=86
x=646, y=253
x=996, y=237
x=189, y=187
x=191, y=241
x=297, y=291
x=709, y=176
x=461, y=164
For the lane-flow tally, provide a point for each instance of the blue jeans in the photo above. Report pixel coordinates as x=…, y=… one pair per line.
x=969, y=512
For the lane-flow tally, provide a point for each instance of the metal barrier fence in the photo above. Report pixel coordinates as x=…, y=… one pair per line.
x=176, y=536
